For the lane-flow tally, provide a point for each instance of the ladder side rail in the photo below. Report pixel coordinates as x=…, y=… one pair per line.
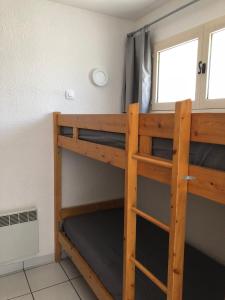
x=130, y=201
x=179, y=189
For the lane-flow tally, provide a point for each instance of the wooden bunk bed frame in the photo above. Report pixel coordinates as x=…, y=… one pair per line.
x=181, y=126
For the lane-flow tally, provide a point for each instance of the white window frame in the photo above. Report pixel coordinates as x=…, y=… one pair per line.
x=202, y=33
x=208, y=29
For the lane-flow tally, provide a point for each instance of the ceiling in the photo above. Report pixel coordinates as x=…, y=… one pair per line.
x=128, y=9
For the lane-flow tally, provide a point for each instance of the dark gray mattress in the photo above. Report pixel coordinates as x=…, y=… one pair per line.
x=99, y=238
x=201, y=154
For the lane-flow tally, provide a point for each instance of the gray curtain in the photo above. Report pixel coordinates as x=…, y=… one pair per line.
x=137, y=75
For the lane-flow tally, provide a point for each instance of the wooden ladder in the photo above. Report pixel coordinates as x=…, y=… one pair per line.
x=179, y=184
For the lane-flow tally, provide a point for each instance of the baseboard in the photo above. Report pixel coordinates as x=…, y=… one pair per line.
x=11, y=268
x=38, y=261
x=26, y=264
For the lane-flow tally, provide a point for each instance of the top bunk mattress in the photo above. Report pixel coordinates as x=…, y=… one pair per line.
x=99, y=238
x=201, y=154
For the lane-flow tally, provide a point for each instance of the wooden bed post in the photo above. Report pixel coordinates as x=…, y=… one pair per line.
x=57, y=185
x=130, y=201
x=179, y=189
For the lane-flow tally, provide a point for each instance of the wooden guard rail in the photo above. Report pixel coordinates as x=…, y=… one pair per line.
x=205, y=128
x=179, y=188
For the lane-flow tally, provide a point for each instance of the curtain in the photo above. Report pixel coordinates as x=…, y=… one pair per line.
x=137, y=74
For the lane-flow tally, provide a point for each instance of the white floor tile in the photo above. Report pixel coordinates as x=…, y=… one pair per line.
x=69, y=268
x=26, y=297
x=45, y=276
x=83, y=289
x=63, y=291
x=13, y=285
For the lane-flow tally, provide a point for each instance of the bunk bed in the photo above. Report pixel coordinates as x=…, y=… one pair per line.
x=156, y=146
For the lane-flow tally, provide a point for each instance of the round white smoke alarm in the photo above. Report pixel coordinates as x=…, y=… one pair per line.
x=100, y=77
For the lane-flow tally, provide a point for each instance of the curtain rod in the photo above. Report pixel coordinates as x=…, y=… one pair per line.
x=163, y=17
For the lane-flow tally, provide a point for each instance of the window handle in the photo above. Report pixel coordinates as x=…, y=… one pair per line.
x=201, y=67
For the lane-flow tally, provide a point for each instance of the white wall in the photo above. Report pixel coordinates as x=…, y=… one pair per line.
x=206, y=220
x=45, y=48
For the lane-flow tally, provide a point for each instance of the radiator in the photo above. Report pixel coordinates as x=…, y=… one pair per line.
x=19, y=237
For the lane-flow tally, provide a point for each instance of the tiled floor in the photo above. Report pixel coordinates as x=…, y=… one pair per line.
x=49, y=282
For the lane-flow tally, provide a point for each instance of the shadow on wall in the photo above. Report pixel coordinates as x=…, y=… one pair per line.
x=86, y=180
x=205, y=219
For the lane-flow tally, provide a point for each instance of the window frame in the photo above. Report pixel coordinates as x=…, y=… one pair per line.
x=202, y=33
x=210, y=28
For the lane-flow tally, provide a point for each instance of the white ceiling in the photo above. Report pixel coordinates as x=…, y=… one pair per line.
x=128, y=9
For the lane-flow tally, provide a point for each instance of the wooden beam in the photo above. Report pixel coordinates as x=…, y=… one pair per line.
x=90, y=208
x=208, y=128
x=156, y=125
x=89, y=275
x=130, y=201
x=179, y=189
x=111, y=122
x=205, y=127
x=57, y=185
x=145, y=145
x=207, y=183
x=109, y=155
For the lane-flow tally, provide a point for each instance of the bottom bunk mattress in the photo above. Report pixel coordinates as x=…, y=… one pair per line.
x=99, y=238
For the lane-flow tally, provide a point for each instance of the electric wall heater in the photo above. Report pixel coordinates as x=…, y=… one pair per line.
x=19, y=236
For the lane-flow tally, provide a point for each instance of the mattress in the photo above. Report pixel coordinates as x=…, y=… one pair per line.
x=111, y=139
x=201, y=154
x=99, y=238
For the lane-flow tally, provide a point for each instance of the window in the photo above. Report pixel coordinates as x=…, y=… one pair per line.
x=191, y=66
x=215, y=83
x=177, y=72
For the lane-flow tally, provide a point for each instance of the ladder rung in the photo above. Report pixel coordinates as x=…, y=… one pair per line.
x=151, y=276
x=153, y=160
x=150, y=219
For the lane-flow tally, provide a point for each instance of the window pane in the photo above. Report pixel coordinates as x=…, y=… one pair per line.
x=216, y=83
x=177, y=72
